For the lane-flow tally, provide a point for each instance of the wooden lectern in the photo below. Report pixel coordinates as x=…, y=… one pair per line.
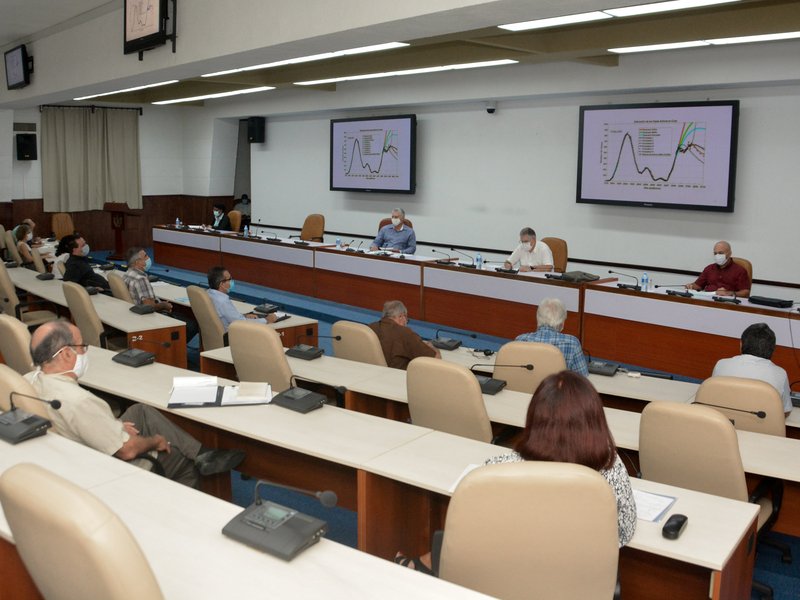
x=118, y=210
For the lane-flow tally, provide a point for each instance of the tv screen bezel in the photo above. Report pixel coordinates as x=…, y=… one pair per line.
x=146, y=42
x=22, y=50
x=412, y=170
x=731, y=184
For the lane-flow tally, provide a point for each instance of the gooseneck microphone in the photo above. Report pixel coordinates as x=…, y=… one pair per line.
x=471, y=259
x=758, y=413
x=626, y=286
x=442, y=261
x=327, y=498
x=529, y=366
x=54, y=404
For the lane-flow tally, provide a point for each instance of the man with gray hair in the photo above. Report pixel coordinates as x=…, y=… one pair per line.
x=398, y=236
x=550, y=317
x=399, y=343
x=530, y=254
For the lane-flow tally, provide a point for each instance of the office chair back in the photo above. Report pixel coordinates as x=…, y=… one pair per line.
x=258, y=354
x=15, y=342
x=61, y=265
x=532, y=530
x=545, y=358
x=2, y=240
x=11, y=246
x=693, y=447
x=359, y=343
x=739, y=395
x=313, y=228
x=71, y=543
x=8, y=292
x=388, y=221
x=748, y=266
x=38, y=262
x=11, y=381
x=84, y=314
x=235, y=217
x=560, y=253
x=212, y=333
x=119, y=288
x=447, y=397
x=62, y=225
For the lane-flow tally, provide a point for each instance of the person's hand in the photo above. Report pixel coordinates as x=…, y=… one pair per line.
x=130, y=428
x=164, y=305
x=373, y=248
x=271, y=318
x=251, y=316
x=723, y=292
x=547, y=268
x=524, y=268
x=161, y=444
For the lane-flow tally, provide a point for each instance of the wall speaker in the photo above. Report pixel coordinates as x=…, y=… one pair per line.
x=256, y=130
x=26, y=146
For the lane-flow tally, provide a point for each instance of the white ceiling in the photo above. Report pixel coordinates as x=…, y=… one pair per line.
x=24, y=20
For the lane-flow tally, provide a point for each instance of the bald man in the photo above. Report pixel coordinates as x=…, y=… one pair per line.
x=61, y=359
x=723, y=276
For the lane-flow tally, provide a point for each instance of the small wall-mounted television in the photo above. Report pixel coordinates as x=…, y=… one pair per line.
x=18, y=67
x=145, y=25
x=376, y=154
x=664, y=155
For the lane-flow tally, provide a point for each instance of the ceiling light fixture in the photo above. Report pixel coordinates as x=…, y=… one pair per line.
x=747, y=39
x=556, y=21
x=657, y=7
x=133, y=89
x=219, y=95
x=657, y=47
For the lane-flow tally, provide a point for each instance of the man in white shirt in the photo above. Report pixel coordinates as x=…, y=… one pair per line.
x=530, y=254
x=758, y=344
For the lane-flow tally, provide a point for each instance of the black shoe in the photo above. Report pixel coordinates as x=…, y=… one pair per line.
x=212, y=462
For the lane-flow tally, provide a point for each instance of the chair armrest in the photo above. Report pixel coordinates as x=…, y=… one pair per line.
x=104, y=340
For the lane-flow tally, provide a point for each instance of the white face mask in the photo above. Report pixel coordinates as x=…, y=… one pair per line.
x=81, y=364
x=396, y=221
x=85, y=250
x=720, y=259
x=528, y=246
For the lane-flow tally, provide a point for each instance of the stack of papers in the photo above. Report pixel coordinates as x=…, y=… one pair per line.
x=652, y=507
x=206, y=391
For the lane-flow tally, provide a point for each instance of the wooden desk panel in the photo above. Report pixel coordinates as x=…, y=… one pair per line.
x=17, y=583
x=183, y=257
x=366, y=292
x=278, y=275
x=153, y=340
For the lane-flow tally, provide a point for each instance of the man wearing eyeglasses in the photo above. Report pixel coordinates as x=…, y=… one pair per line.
x=61, y=359
x=400, y=344
x=220, y=285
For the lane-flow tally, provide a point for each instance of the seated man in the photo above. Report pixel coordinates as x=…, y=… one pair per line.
x=399, y=343
x=78, y=267
x=221, y=220
x=758, y=344
x=220, y=285
x=60, y=355
x=530, y=254
x=398, y=236
x=724, y=276
x=550, y=317
x=142, y=292
x=243, y=206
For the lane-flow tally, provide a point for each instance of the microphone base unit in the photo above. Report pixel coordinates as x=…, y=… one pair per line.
x=599, y=367
x=445, y=343
x=773, y=302
x=553, y=276
x=305, y=352
x=489, y=385
x=142, y=309
x=509, y=271
x=18, y=426
x=728, y=299
x=683, y=294
x=629, y=286
x=466, y=265
x=134, y=357
x=299, y=400
x=45, y=276
x=265, y=309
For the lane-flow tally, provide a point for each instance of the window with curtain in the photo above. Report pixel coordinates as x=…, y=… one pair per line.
x=90, y=157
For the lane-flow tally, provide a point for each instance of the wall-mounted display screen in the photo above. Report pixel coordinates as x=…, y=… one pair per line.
x=666, y=155
x=145, y=24
x=374, y=154
x=18, y=72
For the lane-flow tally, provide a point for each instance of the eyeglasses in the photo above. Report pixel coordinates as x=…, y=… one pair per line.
x=83, y=348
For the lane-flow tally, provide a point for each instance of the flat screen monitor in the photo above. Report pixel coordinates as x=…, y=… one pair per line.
x=666, y=155
x=18, y=73
x=145, y=25
x=376, y=154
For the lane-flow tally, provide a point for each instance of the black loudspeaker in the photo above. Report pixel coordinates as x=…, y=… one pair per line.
x=26, y=146
x=256, y=130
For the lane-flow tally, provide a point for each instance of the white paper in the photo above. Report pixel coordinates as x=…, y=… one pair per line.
x=468, y=469
x=247, y=392
x=193, y=390
x=651, y=507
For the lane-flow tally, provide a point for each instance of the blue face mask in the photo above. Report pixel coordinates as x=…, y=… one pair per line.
x=232, y=286
x=147, y=264
x=85, y=250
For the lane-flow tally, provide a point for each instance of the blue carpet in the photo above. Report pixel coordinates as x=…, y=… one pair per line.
x=784, y=579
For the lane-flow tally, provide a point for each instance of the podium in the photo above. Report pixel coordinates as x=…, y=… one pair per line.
x=118, y=211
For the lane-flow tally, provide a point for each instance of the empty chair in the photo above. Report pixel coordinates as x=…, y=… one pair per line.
x=85, y=316
x=212, y=333
x=38, y=263
x=746, y=264
x=447, y=397
x=15, y=341
x=62, y=225
x=11, y=381
x=313, y=228
x=737, y=398
x=71, y=543
x=532, y=530
x=235, y=217
x=258, y=355
x=12, y=305
x=359, y=343
x=545, y=358
x=11, y=247
x=559, y=249
x=118, y=287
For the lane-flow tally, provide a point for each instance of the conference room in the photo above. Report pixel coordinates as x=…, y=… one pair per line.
x=502, y=132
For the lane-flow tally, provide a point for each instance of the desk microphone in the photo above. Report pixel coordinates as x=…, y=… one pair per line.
x=471, y=264
x=529, y=366
x=327, y=498
x=356, y=249
x=626, y=286
x=54, y=404
x=442, y=261
x=472, y=335
x=758, y=413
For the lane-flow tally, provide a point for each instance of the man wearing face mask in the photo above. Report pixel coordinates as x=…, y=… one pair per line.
x=398, y=236
x=221, y=220
x=724, y=276
x=220, y=285
x=60, y=356
x=530, y=254
x=79, y=269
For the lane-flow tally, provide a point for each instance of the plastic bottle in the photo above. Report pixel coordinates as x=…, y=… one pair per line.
x=479, y=261
x=177, y=222
x=645, y=282
x=246, y=231
x=338, y=243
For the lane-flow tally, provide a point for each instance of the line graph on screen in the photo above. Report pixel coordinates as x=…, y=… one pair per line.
x=370, y=153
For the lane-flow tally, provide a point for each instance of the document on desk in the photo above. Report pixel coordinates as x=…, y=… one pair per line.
x=188, y=392
x=652, y=507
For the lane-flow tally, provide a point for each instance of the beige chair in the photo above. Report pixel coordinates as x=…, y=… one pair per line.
x=235, y=217
x=212, y=333
x=696, y=447
x=71, y=543
x=118, y=287
x=741, y=395
x=560, y=254
x=11, y=381
x=545, y=358
x=62, y=225
x=62, y=267
x=11, y=247
x=2, y=241
x=15, y=341
x=85, y=317
x=748, y=266
x=359, y=343
x=12, y=305
x=38, y=262
x=258, y=354
x=387, y=221
x=532, y=530
x=313, y=228
x=447, y=397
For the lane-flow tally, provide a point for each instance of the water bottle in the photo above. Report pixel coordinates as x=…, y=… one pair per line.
x=338, y=243
x=246, y=231
x=177, y=222
x=645, y=282
x=479, y=261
